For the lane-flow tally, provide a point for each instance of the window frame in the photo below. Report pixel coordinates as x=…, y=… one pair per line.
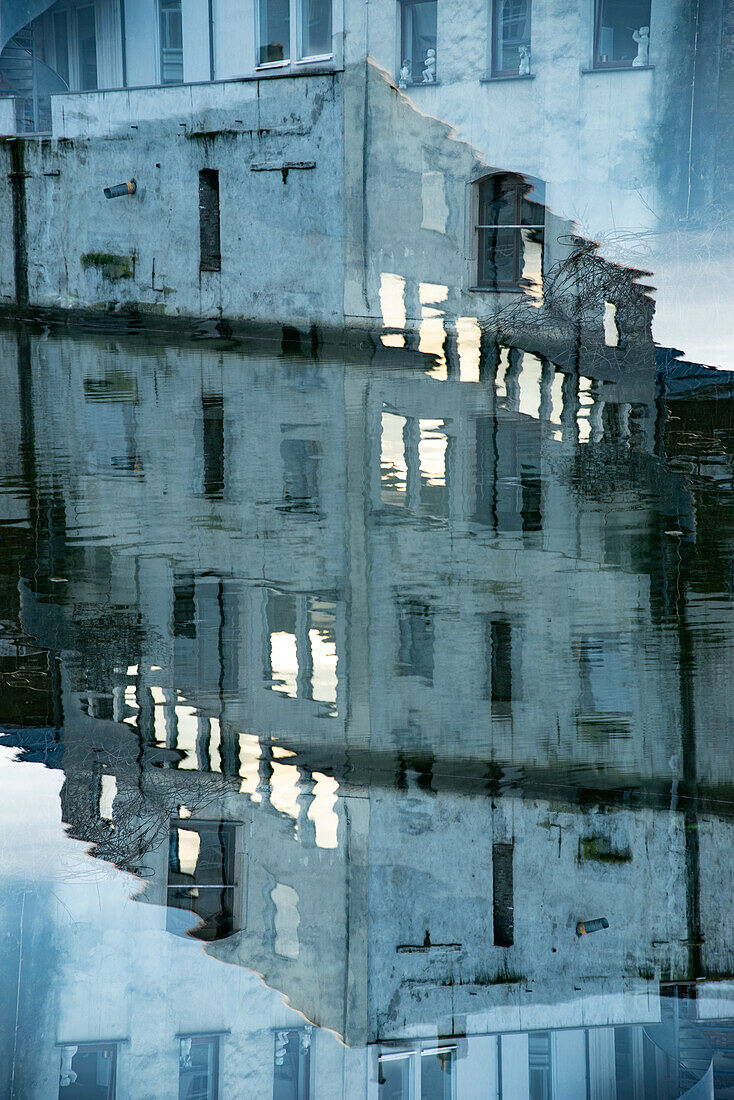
x=596, y=62
x=199, y=1039
x=296, y=58
x=521, y=188
x=494, y=68
x=70, y=11
x=89, y=1048
x=159, y=61
x=402, y=5
x=413, y=1056
x=198, y=825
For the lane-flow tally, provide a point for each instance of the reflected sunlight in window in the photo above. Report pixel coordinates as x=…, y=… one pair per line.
x=284, y=663
x=322, y=812
x=432, y=452
x=285, y=788
x=392, y=300
x=469, y=336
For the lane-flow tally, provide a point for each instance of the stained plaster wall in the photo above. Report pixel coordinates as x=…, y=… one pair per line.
x=596, y=138
x=272, y=230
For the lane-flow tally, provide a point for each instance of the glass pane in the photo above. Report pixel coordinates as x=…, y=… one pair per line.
x=201, y=855
x=214, y=907
x=539, y=1062
x=418, y=36
x=61, y=44
x=87, y=46
x=275, y=31
x=315, y=27
x=499, y=251
x=512, y=29
x=197, y=1069
x=618, y=25
x=171, y=42
x=437, y=1072
x=292, y=1071
x=394, y=1078
x=92, y=1075
x=498, y=200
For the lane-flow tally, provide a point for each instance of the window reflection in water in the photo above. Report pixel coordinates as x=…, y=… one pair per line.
x=201, y=877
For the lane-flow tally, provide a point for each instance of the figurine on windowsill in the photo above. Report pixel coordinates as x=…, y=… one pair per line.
x=429, y=69
x=524, y=67
x=404, y=75
x=642, y=38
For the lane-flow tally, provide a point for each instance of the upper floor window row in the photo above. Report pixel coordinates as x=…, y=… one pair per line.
x=621, y=37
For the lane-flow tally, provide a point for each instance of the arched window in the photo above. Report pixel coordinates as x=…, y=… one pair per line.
x=510, y=33
x=509, y=231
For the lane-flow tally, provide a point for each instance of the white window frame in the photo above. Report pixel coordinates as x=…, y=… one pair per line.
x=296, y=60
x=69, y=9
x=414, y=1054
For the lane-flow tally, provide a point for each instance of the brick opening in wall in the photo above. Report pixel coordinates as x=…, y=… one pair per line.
x=502, y=894
x=209, y=240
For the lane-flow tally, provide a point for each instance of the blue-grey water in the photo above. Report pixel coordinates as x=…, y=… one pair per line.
x=341, y=692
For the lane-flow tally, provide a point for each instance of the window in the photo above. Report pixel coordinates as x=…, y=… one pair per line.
x=293, y=28
x=621, y=34
x=540, y=1067
x=510, y=35
x=415, y=635
x=209, y=238
x=201, y=877
x=88, y=1071
x=315, y=28
x=171, y=38
x=60, y=22
x=292, y=1076
x=509, y=234
x=184, y=607
x=503, y=905
x=198, y=1067
x=86, y=37
x=428, y=1073
x=212, y=407
x=418, y=36
x=500, y=660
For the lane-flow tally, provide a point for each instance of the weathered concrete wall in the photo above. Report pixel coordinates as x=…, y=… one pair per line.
x=143, y=250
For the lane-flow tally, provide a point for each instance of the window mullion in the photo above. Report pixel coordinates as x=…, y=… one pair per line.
x=296, y=30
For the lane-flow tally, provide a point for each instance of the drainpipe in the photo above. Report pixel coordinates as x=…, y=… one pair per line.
x=693, y=100
x=211, y=39
x=123, y=37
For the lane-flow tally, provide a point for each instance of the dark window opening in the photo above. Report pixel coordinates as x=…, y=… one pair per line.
x=198, y=1068
x=211, y=259
x=419, y=20
x=184, y=608
x=510, y=37
x=201, y=877
x=171, y=32
x=510, y=231
x=622, y=34
x=415, y=639
x=88, y=1071
x=212, y=406
x=500, y=659
x=301, y=459
x=502, y=895
x=292, y=1077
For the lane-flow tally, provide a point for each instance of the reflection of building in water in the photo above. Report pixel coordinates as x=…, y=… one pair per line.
x=303, y=682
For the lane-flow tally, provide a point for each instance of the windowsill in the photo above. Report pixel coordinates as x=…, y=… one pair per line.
x=618, y=69
x=419, y=84
x=506, y=76
x=496, y=289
